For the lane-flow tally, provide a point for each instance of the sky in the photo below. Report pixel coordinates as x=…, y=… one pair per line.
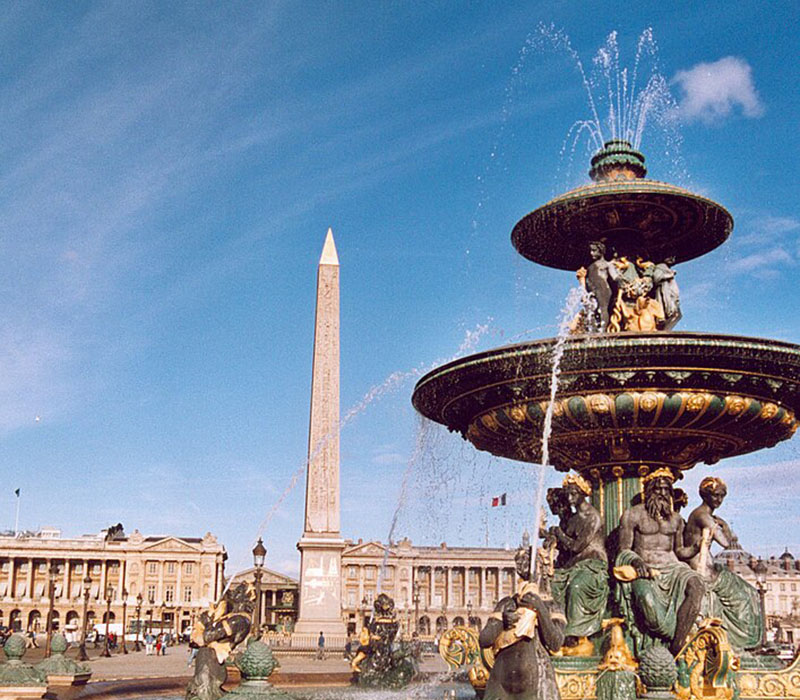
x=168, y=172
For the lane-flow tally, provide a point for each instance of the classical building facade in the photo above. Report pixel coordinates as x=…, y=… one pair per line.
x=175, y=577
x=778, y=581
x=434, y=588
x=279, y=599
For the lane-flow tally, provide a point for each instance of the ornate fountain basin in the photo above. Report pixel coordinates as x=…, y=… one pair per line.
x=626, y=402
x=637, y=216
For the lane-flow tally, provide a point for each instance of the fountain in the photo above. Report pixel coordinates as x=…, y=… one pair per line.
x=629, y=406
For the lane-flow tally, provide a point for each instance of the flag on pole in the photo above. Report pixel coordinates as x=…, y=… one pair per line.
x=16, y=493
x=499, y=500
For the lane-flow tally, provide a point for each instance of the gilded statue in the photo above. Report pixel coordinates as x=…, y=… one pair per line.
x=216, y=633
x=659, y=594
x=580, y=581
x=728, y=596
x=521, y=633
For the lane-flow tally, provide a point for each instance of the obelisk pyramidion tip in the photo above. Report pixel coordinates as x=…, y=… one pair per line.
x=329, y=256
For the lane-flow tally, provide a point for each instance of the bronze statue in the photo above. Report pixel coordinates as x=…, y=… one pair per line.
x=580, y=581
x=666, y=291
x=520, y=632
x=596, y=281
x=729, y=597
x=216, y=633
x=383, y=665
x=659, y=593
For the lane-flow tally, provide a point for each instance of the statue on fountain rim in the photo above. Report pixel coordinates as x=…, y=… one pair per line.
x=580, y=581
x=728, y=596
x=521, y=633
x=658, y=593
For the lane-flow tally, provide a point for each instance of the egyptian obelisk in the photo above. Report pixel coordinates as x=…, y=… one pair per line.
x=321, y=544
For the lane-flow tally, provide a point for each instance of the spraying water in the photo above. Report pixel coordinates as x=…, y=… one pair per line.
x=576, y=300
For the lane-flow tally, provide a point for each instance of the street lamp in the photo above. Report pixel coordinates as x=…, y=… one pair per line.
x=365, y=609
x=416, y=606
x=761, y=585
x=139, y=599
x=124, y=611
x=87, y=586
x=469, y=613
x=152, y=602
x=259, y=554
x=109, y=598
x=51, y=592
x=162, y=610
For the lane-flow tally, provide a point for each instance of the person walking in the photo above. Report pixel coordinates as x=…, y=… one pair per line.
x=321, y=647
x=149, y=640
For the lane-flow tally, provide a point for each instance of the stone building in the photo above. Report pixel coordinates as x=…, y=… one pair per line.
x=778, y=580
x=279, y=599
x=434, y=588
x=175, y=576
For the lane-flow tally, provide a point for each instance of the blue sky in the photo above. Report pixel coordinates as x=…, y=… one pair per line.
x=167, y=176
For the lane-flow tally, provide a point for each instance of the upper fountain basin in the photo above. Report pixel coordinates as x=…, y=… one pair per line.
x=635, y=216
x=623, y=401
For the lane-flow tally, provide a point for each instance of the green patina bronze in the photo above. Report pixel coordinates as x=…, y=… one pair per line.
x=59, y=665
x=15, y=671
x=257, y=664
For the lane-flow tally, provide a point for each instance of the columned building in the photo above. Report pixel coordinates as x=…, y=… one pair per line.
x=279, y=599
x=434, y=588
x=175, y=576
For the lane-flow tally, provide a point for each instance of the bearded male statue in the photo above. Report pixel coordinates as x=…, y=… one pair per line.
x=728, y=596
x=659, y=593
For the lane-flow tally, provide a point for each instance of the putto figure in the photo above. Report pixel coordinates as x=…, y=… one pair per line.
x=520, y=633
x=659, y=593
x=580, y=582
x=729, y=597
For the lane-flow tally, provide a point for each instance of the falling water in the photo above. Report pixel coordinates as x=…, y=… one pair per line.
x=576, y=300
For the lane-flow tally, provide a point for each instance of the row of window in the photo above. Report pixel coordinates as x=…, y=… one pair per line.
x=95, y=567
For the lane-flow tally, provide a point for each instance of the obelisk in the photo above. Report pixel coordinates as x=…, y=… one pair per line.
x=321, y=544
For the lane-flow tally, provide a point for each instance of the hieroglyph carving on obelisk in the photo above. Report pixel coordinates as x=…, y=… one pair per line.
x=322, y=485
x=321, y=544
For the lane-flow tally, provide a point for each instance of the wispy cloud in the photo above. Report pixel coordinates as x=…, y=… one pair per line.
x=712, y=91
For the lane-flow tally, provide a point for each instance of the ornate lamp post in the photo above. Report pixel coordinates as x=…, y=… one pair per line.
x=139, y=599
x=365, y=609
x=761, y=585
x=416, y=606
x=109, y=598
x=161, y=611
x=124, y=611
x=51, y=592
x=87, y=586
x=152, y=602
x=259, y=554
x=469, y=613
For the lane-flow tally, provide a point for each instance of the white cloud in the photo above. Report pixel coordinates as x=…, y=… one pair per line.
x=762, y=260
x=711, y=91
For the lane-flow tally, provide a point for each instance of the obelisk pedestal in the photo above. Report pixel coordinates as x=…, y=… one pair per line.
x=321, y=544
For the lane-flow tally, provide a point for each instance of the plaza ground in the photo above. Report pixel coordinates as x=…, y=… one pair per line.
x=295, y=667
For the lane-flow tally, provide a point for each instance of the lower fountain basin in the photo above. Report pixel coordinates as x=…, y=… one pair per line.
x=627, y=402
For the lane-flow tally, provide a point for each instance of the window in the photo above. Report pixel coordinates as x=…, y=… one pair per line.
x=351, y=599
x=794, y=586
x=151, y=592
x=351, y=571
x=170, y=567
x=96, y=568
x=188, y=568
x=113, y=567
x=783, y=587
x=169, y=593
x=187, y=594
x=370, y=571
x=152, y=567
x=77, y=568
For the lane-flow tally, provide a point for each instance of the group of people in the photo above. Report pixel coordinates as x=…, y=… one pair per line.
x=156, y=644
x=628, y=294
x=655, y=571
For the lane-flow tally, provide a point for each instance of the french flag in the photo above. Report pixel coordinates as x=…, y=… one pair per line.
x=499, y=500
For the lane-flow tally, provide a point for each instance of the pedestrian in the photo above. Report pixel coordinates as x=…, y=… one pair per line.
x=164, y=642
x=158, y=645
x=321, y=646
x=149, y=639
